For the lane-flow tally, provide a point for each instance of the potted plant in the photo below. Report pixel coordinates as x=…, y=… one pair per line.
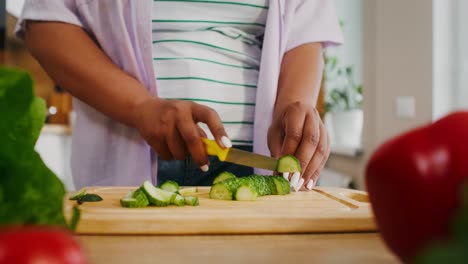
x=343, y=103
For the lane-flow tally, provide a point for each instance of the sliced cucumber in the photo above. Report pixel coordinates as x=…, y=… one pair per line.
x=78, y=194
x=262, y=185
x=135, y=199
x=179, y=200
x=188, y=190
x=288, y=163
x=282, y=185
x=157, y=196
x=223, y=176
x=170, y=186
x=246, y=192
x=191, y=200
x=225, y=190
x=271, y=185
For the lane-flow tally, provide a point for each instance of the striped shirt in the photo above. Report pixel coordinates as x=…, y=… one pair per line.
x=209, y=52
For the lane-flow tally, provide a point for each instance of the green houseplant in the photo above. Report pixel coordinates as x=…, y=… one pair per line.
x=343, y=103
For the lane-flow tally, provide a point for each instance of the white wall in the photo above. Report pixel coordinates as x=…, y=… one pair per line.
x=461, y=93
x=350, y=13
x=450, y=56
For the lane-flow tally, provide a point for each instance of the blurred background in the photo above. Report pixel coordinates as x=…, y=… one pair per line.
x=402, y=66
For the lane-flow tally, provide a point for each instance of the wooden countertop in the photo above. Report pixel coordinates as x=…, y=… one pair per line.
x=307, y=248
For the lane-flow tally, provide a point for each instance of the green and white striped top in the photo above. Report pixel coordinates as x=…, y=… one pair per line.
x=209, y=52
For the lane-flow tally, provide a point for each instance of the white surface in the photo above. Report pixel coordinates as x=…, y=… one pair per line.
x=444, y=59
x=343, y=150
x=55, y=150
x=15, y=7
x=350, y=13
x=346, y=127
x=405, y=107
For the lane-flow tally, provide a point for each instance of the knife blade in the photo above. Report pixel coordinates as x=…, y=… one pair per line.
x=240, y=157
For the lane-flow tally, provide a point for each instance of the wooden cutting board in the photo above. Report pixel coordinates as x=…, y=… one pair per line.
x=320, y=210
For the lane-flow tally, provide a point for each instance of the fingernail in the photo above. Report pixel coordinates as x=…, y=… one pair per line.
x=310, y=184
x=286, y=175
x=204, y=168
x=299, y=184
x=226, y=142
x=295, y=179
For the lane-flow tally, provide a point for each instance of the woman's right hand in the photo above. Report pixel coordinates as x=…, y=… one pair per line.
x=170, y=127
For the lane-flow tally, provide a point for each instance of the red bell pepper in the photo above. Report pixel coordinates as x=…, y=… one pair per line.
x=414, y=181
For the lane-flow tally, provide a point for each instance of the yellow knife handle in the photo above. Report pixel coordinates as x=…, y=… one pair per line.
x=212, y=148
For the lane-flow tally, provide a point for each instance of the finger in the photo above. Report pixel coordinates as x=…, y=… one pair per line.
x=201, y=131
x=310, y=139
x=293, y=129
x=176, y=144
x=161, y=148
x=275, y=140
x=191, y=135
x=316, y=175
x=320, y=153
x=213, y=121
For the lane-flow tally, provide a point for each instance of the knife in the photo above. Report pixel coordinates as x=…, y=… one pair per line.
x=240, y=157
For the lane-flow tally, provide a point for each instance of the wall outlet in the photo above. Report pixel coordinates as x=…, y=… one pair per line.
x=405, y=107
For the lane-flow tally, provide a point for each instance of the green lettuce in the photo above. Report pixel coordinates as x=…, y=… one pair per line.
x=30, y=193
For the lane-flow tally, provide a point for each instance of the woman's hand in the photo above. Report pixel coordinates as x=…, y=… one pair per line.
x=170, y=127
x=298, y=130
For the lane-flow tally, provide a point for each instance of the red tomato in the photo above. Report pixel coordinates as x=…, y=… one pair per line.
x=414, y=182
x=39, y=245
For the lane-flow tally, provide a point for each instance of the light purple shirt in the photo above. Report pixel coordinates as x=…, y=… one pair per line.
x=105, y=152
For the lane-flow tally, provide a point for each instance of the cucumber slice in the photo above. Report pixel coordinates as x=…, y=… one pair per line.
x=246, y=192
x=170, y=186
x=225, y=190
x=78, y=194
x=189, y=190
x=262, y=185
x=220, y=191
x=157, y=196
x=135, y=199
x=271, y=185
x=223, y=176
x=282, y=185
x=179, y=200
x=191, y=200
x=288, y=163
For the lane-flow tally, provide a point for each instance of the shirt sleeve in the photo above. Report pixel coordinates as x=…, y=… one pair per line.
x=314, y=21
x=65, y=11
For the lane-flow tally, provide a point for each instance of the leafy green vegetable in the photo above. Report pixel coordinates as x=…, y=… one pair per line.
x=89, y=197
x=30, y=193
x=77, y=195
x=75, y=218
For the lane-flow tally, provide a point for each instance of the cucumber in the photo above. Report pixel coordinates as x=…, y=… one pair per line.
x=282, y=185
x=191, y=200
x=271, y=185
x=262, y=185
x=288, y=163
x=170, y=186
x=223, y=176
x=179, y=200
x=246, y=192
x=188, y=190
x=78, y=194
x=135, y=199
x=157, y=196
x=225, y=190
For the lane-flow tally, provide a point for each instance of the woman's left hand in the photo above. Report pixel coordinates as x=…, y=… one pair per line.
x=298, y=130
